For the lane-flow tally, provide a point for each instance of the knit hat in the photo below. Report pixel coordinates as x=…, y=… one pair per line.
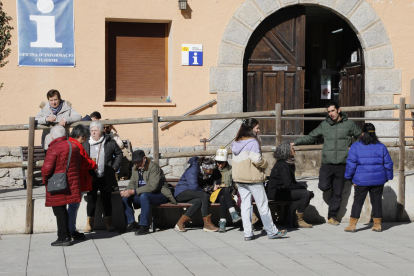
x=221, y=154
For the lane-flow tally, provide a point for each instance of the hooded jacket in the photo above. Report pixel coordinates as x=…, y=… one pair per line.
x=67, y=113
x=248, y=164
x=56, y=161
x=155, y=181
x=337, y=138
x=192, y=179
x=369, y=165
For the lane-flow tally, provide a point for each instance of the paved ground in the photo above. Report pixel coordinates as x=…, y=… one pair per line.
x=323, y=250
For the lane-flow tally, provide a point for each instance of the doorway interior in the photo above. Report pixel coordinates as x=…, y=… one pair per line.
x=302, y=57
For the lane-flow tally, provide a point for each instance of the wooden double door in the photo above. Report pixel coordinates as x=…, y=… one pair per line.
x=274, y=71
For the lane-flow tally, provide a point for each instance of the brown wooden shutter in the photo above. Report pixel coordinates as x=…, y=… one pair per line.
x=136, y=62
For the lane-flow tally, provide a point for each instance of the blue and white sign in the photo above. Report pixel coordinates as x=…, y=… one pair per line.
x=192, y=54
x=46, y=33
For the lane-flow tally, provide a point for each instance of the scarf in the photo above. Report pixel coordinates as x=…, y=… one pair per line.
x=56, y=110
x=93, y=142
x=290, y=160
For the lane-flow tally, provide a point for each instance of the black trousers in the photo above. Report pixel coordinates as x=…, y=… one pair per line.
x=62, y=220
x=332, y=176
x=225, y=200
x=197, y=198
x=92, y=197
x=304, y=197
x=375, y=194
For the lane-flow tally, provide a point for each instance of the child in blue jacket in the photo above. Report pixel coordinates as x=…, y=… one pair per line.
x=369, y=166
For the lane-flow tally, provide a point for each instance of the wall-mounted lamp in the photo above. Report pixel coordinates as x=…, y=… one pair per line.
x=182, y=4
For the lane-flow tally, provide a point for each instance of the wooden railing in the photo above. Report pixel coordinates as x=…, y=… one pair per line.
x=278, y=114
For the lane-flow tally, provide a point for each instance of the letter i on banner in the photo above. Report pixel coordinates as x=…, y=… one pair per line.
x=46, y=33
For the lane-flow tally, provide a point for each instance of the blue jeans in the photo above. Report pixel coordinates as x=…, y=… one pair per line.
x=73, y=212
x=144, y=202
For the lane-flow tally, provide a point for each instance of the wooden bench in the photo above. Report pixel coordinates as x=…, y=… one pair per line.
x=174, y=181
x=38, y=156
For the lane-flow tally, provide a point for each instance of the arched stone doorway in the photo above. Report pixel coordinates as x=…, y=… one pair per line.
x=382, y=81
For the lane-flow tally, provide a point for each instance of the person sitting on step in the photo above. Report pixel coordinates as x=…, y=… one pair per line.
x=199, y=174
x=147, y=186
x=223, y=186
x=282, y=183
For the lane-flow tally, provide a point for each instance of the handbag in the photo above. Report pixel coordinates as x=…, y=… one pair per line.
x=59, y=181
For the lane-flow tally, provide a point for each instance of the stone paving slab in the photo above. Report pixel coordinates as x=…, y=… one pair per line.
x=323, y=250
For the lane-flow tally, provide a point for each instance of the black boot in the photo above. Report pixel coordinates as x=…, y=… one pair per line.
x=78, y=236
x=65, y=242
x=132, y=227
x=143, y=230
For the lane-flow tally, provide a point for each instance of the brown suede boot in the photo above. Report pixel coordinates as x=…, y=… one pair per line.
x=377, y=225
x=301, y=222
x=109, y=226
x=254, y=218
x=89, y=225
x=180, y=226
x=352, y=225
x=208, y=225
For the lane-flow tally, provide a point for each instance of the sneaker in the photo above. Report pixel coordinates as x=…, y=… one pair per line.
x=222, y=227
x=235, y=217
x=65, y=242
x=278, y=234
x=143, y=230
x=249, y=238
x=78, y=236
x=333, y=221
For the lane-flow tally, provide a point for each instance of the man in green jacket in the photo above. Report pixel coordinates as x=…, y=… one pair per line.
x=337, y=132
x=147, y=186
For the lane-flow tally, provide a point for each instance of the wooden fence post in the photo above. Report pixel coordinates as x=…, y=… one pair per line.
x=155, y=137
x=278, y=110
x=401, y=169
x=29, y=180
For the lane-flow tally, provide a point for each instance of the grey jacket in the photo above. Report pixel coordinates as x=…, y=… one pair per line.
x=66, y=112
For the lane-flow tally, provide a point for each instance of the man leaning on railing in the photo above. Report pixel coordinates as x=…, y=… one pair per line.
x=55, y=111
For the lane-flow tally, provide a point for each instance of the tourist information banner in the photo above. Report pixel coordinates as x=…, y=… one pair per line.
x=46, y=33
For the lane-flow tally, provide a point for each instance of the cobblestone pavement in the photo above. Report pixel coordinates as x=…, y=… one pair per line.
x=323, y=250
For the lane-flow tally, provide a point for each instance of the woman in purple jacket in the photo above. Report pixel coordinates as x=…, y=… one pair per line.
x=369, y=166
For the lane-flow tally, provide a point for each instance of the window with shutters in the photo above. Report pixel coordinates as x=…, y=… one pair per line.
x=136, y=65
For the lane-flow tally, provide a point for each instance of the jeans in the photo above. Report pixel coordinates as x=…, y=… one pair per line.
x=144, y=202
x=375, y=194
x=61, y=215
x=72, y=213
x=304, y=197
x=332, y=176
x=257, y=190
x=197, y=198
x=92, y=197
x=225, y=200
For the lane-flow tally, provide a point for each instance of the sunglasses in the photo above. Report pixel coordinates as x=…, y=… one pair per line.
x=107, y=127
x=220, y=162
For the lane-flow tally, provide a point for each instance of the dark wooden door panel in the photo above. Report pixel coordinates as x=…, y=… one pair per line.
x=273, y=65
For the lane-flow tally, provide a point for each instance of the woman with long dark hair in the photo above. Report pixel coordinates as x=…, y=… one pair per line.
x=249, y=174
x=369, y=166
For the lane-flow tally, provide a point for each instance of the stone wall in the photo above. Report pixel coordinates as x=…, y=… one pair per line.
x=10, y=177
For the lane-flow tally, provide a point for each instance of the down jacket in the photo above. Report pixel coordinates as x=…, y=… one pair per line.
x=155, y=181
x=86, y=164
x=56, y=161
x=248, y=164
x=369, y=165
x=113, y=159
x=337, y=138
x=192, y=179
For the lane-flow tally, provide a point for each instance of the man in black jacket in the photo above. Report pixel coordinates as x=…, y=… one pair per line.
x=108, y=156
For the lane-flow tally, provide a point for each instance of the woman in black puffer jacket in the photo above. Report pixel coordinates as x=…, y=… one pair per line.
x=282, y=183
